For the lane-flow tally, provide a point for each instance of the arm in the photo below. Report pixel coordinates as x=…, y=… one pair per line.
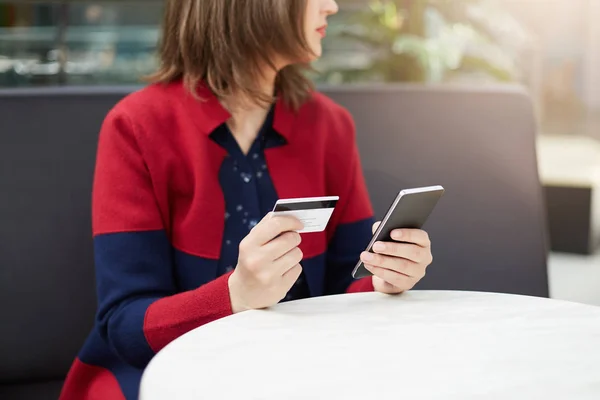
x=139, y=309
x=351, y=225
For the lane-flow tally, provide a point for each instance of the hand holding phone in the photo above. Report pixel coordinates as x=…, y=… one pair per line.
x=410, y=210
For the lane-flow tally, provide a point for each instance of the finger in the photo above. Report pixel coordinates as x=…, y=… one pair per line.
x=408, y=251
x=398, y=265
x=282, y=265
x=272, y=226
x=416, y=236
x=291, y=276
x=281, y=245
x=396, y=279
x=375, y=226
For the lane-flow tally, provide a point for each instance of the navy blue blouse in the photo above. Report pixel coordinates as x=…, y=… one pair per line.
x=249, y=193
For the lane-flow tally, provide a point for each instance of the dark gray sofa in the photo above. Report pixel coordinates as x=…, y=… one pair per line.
x=488, y=231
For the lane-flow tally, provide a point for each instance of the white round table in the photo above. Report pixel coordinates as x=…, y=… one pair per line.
x=419, y=345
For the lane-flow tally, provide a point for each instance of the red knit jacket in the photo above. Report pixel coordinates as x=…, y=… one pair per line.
x=158, y=219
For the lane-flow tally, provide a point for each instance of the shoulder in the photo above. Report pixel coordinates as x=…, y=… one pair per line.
x=324, y=107
x=337, y=123
x=146, y=104
x=144, y=115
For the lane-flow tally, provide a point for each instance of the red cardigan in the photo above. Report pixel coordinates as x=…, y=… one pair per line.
x=158, y=219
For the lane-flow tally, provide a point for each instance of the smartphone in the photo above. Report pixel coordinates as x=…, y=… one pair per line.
x=410, y=210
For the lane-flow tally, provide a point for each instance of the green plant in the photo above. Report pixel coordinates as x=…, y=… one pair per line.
x=420, y=41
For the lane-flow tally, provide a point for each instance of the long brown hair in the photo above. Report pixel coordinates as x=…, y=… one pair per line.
x=226, y=44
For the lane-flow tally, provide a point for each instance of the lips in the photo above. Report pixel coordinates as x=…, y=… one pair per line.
x=322, y=31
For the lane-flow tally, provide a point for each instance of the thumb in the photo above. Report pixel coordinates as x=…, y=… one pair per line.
x=376, y=225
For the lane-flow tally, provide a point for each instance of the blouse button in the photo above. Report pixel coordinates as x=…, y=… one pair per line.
x=246, y=177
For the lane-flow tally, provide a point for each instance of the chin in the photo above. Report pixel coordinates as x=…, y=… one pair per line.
x=317, y=51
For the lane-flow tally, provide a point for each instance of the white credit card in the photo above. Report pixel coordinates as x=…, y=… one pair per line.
x=314, y=212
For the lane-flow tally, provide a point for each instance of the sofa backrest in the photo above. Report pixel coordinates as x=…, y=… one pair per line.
x=488, y=231
x=48, y=141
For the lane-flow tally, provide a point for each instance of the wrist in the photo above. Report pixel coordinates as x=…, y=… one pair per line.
x=381, y=286
x=375, y=283
x=237, y=303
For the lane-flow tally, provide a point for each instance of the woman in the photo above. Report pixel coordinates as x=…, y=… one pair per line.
x=187, y=171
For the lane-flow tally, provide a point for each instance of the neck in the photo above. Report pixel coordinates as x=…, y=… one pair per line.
x=239, y=103
x=247, y=117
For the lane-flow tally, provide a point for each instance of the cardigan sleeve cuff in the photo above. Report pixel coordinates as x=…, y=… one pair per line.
x=169, y=318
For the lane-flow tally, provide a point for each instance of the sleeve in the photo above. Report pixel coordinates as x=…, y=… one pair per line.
x=139, y=308
x=350, y=229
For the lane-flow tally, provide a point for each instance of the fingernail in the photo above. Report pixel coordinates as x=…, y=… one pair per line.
x=397, y=234
x=379, y=246
x=367, y=257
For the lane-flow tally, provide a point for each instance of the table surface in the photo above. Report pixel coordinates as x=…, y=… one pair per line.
x=419, y=345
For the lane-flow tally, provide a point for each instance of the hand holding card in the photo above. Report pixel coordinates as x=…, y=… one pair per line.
x=268, y=264
x=269, y=258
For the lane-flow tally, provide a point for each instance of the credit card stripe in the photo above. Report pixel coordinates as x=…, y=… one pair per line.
x=307, y=199
x=313, y=205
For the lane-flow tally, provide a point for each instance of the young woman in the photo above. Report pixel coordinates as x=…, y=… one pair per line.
x=187, y=171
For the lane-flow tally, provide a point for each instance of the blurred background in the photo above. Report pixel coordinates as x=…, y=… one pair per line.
x=550, y=47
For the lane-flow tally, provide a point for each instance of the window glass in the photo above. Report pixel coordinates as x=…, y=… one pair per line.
x=77, y=43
